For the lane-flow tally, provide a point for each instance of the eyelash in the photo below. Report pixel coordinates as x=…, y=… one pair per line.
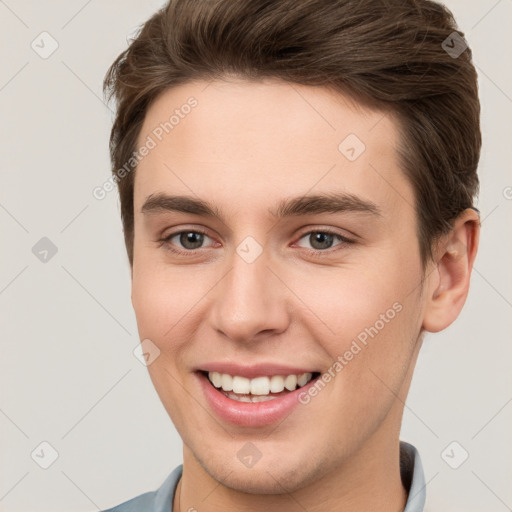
x=317, y=253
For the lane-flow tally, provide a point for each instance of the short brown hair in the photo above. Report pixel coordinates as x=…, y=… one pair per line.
x=391, y=53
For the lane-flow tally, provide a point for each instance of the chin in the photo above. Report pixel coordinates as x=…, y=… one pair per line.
x=263, y=478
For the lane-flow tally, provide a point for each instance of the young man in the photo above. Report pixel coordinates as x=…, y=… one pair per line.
x=296, y=184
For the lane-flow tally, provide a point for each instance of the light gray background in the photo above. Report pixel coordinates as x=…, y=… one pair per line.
x=68, y=374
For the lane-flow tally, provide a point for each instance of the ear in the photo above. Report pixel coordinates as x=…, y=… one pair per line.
x=448, y=280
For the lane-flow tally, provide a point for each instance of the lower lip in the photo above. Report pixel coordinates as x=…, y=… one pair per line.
x=251, y=414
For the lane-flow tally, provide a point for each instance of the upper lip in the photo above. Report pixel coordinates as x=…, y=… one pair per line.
x=254, y=370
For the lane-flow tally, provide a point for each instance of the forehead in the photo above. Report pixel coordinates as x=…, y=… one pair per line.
x=248, y=142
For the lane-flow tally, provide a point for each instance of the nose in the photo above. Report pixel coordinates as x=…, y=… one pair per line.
x=250, y=303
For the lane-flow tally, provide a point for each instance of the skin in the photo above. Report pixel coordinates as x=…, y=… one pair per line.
x=244, y=147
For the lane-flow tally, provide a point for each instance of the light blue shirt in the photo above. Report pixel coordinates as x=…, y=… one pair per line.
x=162, y=499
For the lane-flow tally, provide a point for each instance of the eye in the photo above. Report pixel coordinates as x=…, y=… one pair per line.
x=322, y=239
x=185, y=242
x=189, y=240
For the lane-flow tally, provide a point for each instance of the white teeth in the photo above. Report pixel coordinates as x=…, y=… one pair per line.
x=249, y=398
x=290, y=382
x=227, y=382
x=260, y=386
x=241, y=385
x=276, y=384
x=216, y=379
x=303, y=379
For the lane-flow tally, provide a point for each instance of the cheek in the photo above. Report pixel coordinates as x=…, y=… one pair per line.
x=163, y=296
x=163, y=300
x=371, y=319
x=346, y=300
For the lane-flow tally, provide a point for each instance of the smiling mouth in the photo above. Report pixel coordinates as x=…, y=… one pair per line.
x=259, y=389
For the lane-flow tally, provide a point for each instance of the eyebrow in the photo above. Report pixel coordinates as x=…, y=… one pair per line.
x=334, y=202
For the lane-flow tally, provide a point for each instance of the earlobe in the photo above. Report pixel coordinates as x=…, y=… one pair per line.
x=449, y=281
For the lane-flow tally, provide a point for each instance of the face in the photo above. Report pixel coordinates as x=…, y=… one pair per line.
x=261, y=284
